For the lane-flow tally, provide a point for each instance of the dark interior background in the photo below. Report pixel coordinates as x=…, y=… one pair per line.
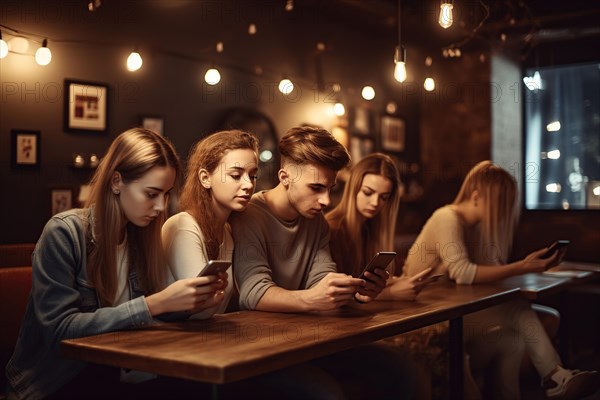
x=473, y=114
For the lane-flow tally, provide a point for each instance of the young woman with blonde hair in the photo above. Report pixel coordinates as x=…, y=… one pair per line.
x=101, y=269
x=221, y=175
x=470, y=241
x=364, y=223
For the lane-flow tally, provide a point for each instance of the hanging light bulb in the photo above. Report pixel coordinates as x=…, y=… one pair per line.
x=368, y=93
x=134, y=61
x=400, y=60
x=43, y=55
x=339, y=109
x=446, y=17
x=212, y=76
x=289, y=5
x=3, y=47
x=429, y=84
x=252, y=29
x=286, y=86
x=219, y=47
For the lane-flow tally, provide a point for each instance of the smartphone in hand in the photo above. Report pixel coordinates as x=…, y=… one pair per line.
x=430, y=279
x=214, y=267
x=381, y=260
x=559, y=244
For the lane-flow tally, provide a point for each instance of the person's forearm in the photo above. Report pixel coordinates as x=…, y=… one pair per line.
x=493, y=273
x=277, y=299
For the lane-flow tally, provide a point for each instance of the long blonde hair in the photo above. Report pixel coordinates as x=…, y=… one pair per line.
x=499, y=189
x=195, y=198
x=379, y=230
x=133, y=153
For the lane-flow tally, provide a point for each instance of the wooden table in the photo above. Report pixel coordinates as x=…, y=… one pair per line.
x=239, y=345
x=564, y=276
x=557, y=281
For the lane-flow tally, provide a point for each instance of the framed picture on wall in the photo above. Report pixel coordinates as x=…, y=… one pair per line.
x=86, y=106
x=25, y=150
x=61, y=200
x=393, y=133
x=360, y=147
x=155, y=124
x=360, y=121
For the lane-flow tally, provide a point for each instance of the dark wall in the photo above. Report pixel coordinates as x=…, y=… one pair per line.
x=177, y=42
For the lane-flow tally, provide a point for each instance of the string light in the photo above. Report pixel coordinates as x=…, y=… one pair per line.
x=368, y=93
x=3, y=47
x=429, y=83
x=212, y=76
x=339, y=109
x=43, y=55
x=134, y=61
x=446, y=18
x=286, y=86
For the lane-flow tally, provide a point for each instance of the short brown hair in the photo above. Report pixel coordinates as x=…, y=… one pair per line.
x=308, y=145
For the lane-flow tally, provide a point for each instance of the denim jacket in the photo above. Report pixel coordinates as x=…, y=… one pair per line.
x=63, y=304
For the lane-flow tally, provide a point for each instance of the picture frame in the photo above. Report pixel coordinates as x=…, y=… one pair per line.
x=61, y=199
x=360, y=121
x=85, y=106
x=393, y=133
x=25, y=148
x=153, y=123
x=360, y=147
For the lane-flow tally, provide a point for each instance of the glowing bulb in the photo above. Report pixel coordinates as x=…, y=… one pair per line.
x=286, y=86
x=400, y=71
x=429, y=84
x=554, y=154
x=289, y=5
x=220, y=47
x=252, y=29
x=3, y=49
x=265, y=155
x=553, y=126
x=43, y=55
x=553, y=188
x=339, y=109
x=446, y=17
x=596, y=191
x=212, y=76
x=391, y=107
x=134, y=61
x=368, y=93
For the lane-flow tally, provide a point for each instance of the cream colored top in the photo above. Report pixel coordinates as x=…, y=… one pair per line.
x=186, y=254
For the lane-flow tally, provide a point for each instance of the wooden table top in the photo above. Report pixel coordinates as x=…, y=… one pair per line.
x=239, y=345
x=536, y=285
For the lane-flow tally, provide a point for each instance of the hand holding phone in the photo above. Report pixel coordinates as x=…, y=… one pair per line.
x=381, y=260
x=430, y=279
x=215, y=267
x=559, y=244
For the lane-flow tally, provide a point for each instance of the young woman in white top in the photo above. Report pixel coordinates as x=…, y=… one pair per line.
x=221, y=174
x=470, y=241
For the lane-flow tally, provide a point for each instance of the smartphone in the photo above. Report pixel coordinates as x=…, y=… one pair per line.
x=559, y=244
x=431, y=278
x=381, y=260
x=213, y=267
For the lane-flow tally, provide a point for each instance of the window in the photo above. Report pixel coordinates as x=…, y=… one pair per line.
x=562, y=137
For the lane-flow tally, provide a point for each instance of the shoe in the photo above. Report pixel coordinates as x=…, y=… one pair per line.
x=571, y=384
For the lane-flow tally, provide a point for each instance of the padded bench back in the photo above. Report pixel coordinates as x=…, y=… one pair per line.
x=15, y=285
